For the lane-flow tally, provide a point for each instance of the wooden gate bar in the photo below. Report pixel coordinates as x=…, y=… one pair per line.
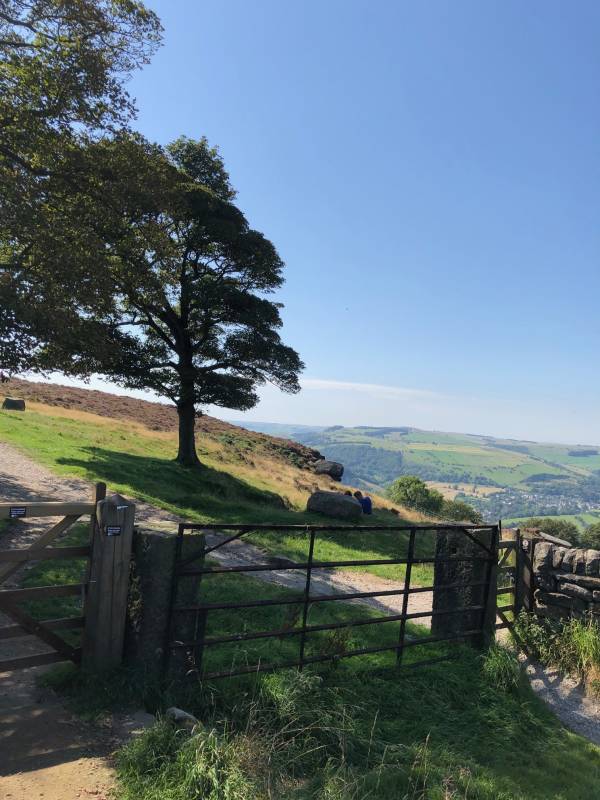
x=44, y=539
x=15, y=631
x=45, y=554
x=37, y=629
x=32, y=661
x=53, y=509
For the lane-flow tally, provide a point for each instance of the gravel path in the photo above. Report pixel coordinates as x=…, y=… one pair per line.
x=567, y=698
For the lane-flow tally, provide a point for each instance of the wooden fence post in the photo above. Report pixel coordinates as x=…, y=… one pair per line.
x=106, y=606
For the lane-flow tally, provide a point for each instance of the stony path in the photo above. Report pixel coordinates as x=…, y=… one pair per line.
x=567, y=698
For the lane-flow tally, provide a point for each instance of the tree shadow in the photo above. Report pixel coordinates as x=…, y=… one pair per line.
x=204, y=491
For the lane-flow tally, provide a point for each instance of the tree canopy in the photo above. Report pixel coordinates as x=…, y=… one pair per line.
x=163, y=283
x=63, y=66
x=561, y=528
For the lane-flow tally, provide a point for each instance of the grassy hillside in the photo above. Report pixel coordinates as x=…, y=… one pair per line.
x=245, y=477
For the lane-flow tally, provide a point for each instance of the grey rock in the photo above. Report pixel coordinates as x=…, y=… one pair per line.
x=574, y=590
x=596, y=597
x=592, y=562
x=545, y=582
x=554, y=612
x=579, y=562
x=542, y=557
x=558, y=599
x=568, y=559
x=181, y=719
x=334, y=469
x=335, y=504
x=581, y=580
x=558, y=553
x=13, y=404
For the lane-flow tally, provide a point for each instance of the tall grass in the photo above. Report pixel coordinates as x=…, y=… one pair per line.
x=573, y=645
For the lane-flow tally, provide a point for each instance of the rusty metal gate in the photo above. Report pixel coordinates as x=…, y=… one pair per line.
x=207, y=571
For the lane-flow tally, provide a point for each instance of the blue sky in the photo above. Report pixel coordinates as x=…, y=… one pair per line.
x=430, y=174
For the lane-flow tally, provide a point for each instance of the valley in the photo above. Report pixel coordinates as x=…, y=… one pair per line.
x=503, y=478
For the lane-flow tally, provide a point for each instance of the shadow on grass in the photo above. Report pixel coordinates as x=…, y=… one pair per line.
x=202, y=491
x=206, y=494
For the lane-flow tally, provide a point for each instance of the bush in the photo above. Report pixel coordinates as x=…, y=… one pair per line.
x=590, y=537
x=412, y=492
x=573, y=646
x=459, y=511
x=561, y=528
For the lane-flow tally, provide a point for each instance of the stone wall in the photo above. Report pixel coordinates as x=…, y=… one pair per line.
x=566, y=580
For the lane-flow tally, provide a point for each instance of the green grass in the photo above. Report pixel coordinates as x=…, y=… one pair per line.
x=143, y=467
x=355, y=729
x=457, y=730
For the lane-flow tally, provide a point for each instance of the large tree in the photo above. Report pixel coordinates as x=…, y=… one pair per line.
x=63, y=66
x=167, y=286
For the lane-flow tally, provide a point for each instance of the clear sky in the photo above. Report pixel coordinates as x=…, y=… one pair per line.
x=429, y=171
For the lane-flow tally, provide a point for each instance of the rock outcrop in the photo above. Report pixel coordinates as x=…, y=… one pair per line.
x=334, y=469
x=335, y=504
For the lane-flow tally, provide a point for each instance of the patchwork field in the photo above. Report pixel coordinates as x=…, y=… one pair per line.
x=505, y=477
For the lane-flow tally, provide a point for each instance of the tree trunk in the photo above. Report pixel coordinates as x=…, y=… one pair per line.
x=187, y=440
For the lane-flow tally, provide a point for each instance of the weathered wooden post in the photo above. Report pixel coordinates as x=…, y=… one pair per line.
x=106, y=606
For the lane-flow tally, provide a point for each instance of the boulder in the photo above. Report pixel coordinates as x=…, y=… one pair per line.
x=181, y=719
x=13, y=404
x=334, y=469
x=558, y=599
x=579, y=562
x=335, y=504
x=569, y=559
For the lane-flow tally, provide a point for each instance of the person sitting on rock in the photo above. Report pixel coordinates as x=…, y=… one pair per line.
x=367, y=505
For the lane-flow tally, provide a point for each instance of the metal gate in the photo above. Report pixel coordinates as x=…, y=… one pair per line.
x=191, y=639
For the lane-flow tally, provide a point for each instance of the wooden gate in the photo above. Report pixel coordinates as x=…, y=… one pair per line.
x=509, y=577
x=12, y=597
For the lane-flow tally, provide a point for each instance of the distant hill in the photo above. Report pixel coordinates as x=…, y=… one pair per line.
x=503, y=477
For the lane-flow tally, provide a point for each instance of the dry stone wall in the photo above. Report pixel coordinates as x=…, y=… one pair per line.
x=566, y=581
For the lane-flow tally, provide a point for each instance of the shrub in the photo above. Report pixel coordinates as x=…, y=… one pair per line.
x=460, y=511
x=590, y=537
x=412, y=492
x=561, y=528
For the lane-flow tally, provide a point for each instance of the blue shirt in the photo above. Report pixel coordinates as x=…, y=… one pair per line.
x=367, y=505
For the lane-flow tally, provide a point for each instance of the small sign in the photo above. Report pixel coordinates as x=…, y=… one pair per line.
x=525, y=544
x=113, y=530
x=16, y=512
